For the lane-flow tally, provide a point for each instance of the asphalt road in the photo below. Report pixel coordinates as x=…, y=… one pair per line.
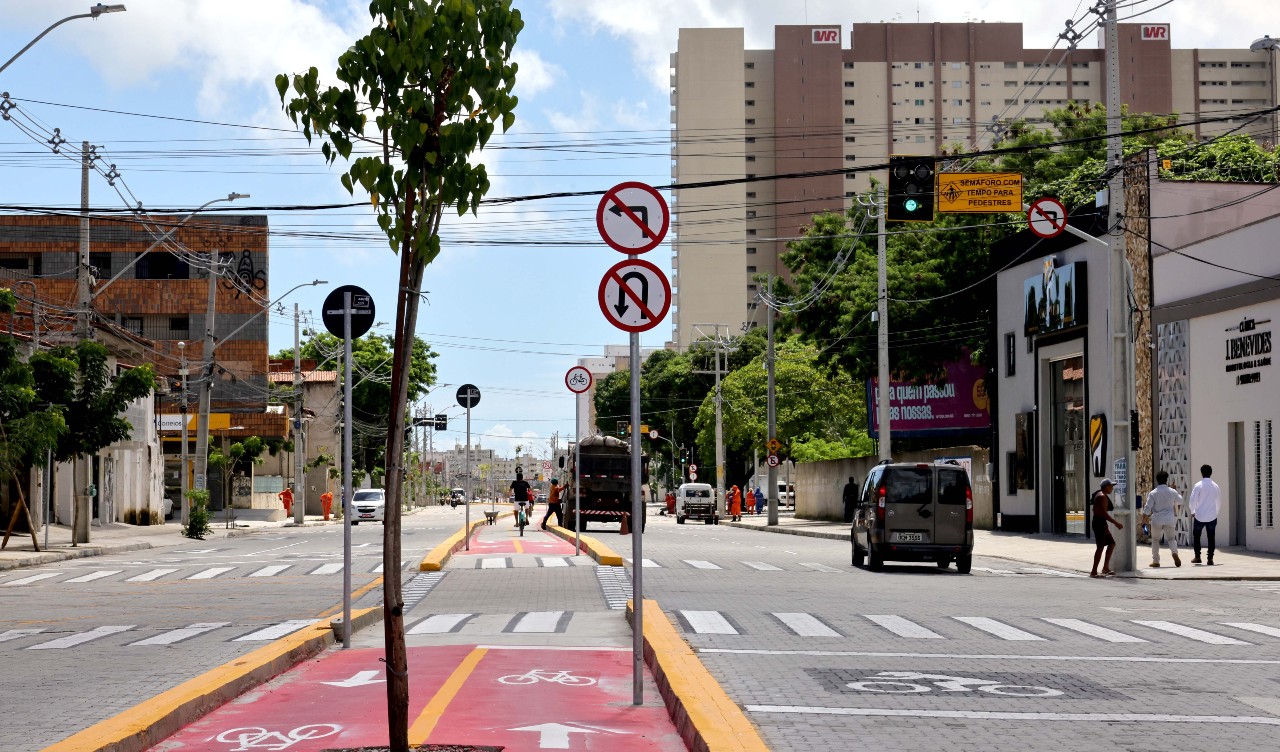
x=84, y=639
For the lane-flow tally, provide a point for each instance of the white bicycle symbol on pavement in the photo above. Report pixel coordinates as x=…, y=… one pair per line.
x=904, y=682
x=254, y=737
x=555, y=677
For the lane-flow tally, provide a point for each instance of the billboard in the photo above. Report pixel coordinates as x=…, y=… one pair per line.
x=957, y=405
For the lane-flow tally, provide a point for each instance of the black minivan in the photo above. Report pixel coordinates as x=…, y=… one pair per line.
x=914, y=512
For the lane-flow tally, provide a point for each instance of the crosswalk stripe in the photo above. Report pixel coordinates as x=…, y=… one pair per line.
x=646, y=563
x=1191, y=633
x=31, y=578
x=377, y=569
x=275, y=631
x=763, y=567
x=80, y=638
x=553, y=561
x=903, y=627
x=537, y=621
x=998, y=628
x=327, y=569
x=271, y=571
x=1093, y=630
x=154, y=574
x=178, y=635
x=493, y=563
x=440, y=624
x=708, y=622
x=14, y=634
x=821, y=567
x=210, y=573
x=93, y=576
x=700, y=564
x=1259, y=628
x=806, y=625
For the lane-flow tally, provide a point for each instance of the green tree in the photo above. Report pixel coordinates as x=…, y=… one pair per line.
x=237, y=460
x=428, y=84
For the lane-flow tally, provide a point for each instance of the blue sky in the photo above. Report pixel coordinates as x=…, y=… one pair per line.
x=506, y=315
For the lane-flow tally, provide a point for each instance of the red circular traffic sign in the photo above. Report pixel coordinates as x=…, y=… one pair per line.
x=578, y=379
x=773, y=460
x=1047, y=217
x=632, y=218
x=635, y=295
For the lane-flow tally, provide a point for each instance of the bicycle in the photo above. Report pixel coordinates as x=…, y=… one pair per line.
x=522, y=518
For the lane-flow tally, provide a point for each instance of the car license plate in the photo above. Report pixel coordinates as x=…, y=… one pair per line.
x=366, y=515
x=909, y=537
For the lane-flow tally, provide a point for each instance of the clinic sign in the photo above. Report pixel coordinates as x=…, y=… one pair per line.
x=1248, y=349
x=954, y=405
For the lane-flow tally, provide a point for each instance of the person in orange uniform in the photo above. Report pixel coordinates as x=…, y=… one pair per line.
x=286, y=496
x=671, y=503
x=735, y=503
x=326, y=503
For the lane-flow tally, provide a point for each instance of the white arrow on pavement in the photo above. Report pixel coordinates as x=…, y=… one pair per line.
x=556, y=735
x=359, y=680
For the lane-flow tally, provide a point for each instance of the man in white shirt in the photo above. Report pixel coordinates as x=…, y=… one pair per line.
x=1203, y=504
x=1160, y=508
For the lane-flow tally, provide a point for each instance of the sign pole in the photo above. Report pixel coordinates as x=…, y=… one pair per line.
x=347, y=493
x=467, y=501
x=577, y=476
x=637, y=527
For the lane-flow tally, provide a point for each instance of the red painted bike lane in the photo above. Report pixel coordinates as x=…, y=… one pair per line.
x=521, y=698
x=500, y=541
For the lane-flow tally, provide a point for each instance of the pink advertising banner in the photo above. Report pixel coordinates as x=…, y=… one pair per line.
x=959, y=404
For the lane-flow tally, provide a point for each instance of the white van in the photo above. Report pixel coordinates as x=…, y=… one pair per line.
x=697, y=501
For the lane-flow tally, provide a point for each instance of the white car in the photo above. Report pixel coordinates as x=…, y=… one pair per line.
x=369, y=505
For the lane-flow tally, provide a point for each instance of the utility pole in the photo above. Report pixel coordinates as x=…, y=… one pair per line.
x=772, y=483
x=882, y=336
x=299, y=481
x=183, y=503
x=719, y=344
x=83, y=501
x=206, y=372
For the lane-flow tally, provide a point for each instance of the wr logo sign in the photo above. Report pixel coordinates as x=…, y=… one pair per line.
x=1155, y=32
x=826, y=36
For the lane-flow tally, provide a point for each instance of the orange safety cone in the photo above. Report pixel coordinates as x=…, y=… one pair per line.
x=626, y=524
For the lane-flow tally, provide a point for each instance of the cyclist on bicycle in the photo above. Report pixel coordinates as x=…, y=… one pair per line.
x=522, y=497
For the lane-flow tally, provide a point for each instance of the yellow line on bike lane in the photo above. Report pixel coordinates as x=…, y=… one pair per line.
x=519, y=546
x=431, y=714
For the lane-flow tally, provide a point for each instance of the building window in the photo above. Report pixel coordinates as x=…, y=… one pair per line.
x=1010, y=65
x=750, y=251
x=749, y=66
x=847, y=158
x=750, y=103
x=847, y=140
x=919, y=84
x=847, y=103
x=1007, y=101
x=750, y=84
x=957, y=84
x=750, y=215
x=1010, y=352
x=179, y=327
x=751, y=232
x=750, y=121
x=161, y=265
x=847, y=85
x=750, y=140
x=750, y=158
x=134, y=324
x=849, y=121
x=751, y=176
x=750, y=270
x=918, y=121
x=853, y=176
x=750, y=194
x=101, y=263
x=847, y=66
x=750, y=288
x=919, y=103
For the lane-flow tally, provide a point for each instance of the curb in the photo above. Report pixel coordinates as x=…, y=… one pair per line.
x=48, y=557
x=435, y=560
x=152, y=721
x=604, y=556
x=787, y=531
x=708, y=721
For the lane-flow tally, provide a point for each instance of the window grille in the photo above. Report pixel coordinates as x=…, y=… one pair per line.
x=1257, y=474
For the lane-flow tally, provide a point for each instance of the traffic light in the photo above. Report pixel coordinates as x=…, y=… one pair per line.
x=442, y=422
x=911, y=189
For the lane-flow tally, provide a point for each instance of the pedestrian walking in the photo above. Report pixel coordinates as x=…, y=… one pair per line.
x=1204, y=505
x=286, y=498
x=759, y=500
x=553, y=504
x=850, y=499
x=671, y=503
x=1162, y=504
x=735, y=504
x=1102, y=506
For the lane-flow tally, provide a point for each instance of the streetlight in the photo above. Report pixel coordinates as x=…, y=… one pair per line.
x=94, y=12
x=1269, y=44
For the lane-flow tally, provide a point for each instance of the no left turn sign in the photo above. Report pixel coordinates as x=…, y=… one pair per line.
x=632, y=218
x=1047, y=217
x=635, y=295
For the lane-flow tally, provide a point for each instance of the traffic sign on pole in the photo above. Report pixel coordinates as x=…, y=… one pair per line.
x=693, y=475
x=979, y=192
x=693, y=468
x=468, y=396
x=1047, y=217
x=774, y=446
x=773, y=460
x=632, y=218
x=578, y=379
x=362, y=311
x=635, y=295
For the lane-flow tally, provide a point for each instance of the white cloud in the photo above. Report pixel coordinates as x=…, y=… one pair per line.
x=587, y=118
x=632, y=114
x=533, y=74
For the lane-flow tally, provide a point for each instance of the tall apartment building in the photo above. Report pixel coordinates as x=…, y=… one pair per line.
x=820, y=102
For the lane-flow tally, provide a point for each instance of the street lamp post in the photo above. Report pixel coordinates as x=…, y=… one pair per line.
x=94, y=12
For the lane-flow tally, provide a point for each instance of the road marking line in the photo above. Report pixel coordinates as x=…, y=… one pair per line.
x=32, y=578
x=271, y=571
x=14, y=634
x=93, y=576
x=1010, y=716
x=355, y=595
x=327, y=569
x=209, y=574
x=178, y=635
x=806, y=625
x=426, y=721
x=821, y=567
x=646, y=563
x=80, y=638
x=1266, y=704
x=904, y=627
x=999, y=657
x=553, y=561
x=536, y=621
x=519, y=546
x=998, y=628
x=493, y=563
x=999, y=572
x=1191, y=633
x=707, y=622
x=377, y=569
x=541, y=648
x=275, y=631
x=1093, y=630
x=154, y=574
x=763, y=567
x=700, y=564
x=1052, y=572
x=1259, y=628
x=441, y=624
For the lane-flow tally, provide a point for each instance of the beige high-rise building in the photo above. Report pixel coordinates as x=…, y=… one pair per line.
x=827, y=98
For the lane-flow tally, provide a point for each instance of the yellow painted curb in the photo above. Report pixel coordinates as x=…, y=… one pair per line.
x=603, y=555
x=439, y=556
x=151, y=722
x=707, y=719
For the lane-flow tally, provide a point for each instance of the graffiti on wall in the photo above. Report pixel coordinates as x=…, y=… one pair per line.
x=243, y=276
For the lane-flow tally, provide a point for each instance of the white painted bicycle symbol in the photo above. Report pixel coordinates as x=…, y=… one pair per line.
x=555, y=677
x=905, y=682
x=254, y=737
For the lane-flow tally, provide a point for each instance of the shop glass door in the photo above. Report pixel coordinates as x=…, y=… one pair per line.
x=1071, y=467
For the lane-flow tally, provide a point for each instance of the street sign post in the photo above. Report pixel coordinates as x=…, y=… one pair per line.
x=773, y=460
x=632, y=218
x=1047, y=217
x=635, y=296
x=693, y=468
x=579, y=380
x=693, y=475
x=774, y=446
x=469, y=396
x=653, y=434
x=362, y=311
x=979, y=192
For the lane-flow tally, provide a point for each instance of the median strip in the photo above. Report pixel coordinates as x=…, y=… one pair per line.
x=439, y=556
x=604, y=556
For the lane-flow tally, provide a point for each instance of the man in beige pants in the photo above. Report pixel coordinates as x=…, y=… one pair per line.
x=1160, y=509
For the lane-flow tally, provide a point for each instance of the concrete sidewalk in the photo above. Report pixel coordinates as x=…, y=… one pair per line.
x=1058, y=551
